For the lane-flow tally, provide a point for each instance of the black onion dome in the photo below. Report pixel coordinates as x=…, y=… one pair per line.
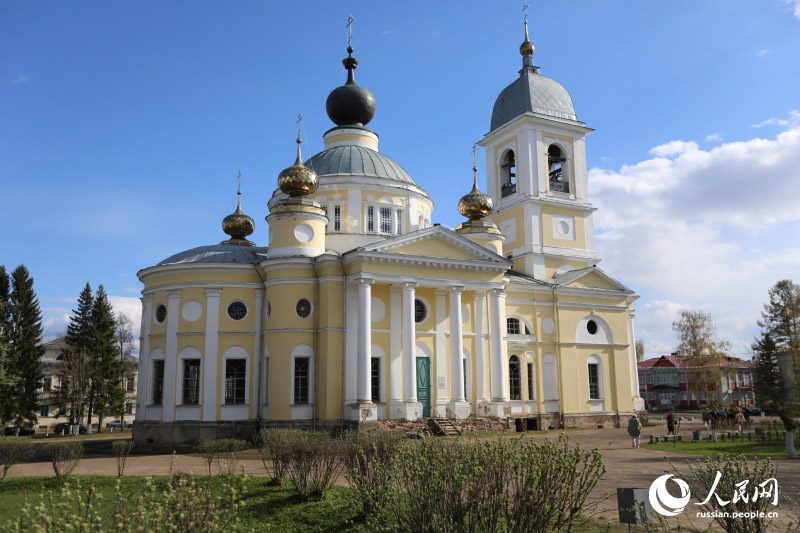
x=350, y=104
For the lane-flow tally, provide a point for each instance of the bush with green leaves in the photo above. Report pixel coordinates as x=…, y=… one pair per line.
x=274, y=444
x=230, y=451
x=502, y=485
x=64, y=456
x=209, y=450
x=313, y=462
x=14, y=450
x=122, y=449
x=183, y=505
x=362, y=449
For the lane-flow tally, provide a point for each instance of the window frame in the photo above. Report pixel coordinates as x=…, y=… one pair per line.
x=197, y=379
x=514, y=378
x=531, y=382
x=154, y=363
x=295, y=400
x=231, y=304
x=226, y=380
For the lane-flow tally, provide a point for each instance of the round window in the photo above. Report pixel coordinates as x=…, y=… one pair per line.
x=591, y=327
x=161, y=313
x=420, y=311
x=237, y=310
x=303, y=308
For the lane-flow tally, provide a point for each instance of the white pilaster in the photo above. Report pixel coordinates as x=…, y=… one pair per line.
x=258, y=355
x=438, y=385
x=457, y=406
x=144, y=358
x=351, y=343
x=171, y=356
x=210, y=355
x=638, y=402
x=480, y=347
x=395, y=351
x=499, y=405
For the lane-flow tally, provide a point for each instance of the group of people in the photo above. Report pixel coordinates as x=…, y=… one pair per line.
x=716, y=418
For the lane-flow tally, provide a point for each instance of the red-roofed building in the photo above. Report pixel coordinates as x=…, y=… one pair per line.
x=669, y=381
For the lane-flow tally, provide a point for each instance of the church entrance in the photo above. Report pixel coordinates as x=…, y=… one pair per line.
x=424, y=384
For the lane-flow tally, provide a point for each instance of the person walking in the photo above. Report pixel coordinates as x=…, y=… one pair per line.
x=739, y=419
x=671, y=422
x=706, y=418
x=634, y=430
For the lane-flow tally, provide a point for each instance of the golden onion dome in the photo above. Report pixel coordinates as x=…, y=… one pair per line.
x=298, y=180
x=238, y=225
x=526, y=48
x=475, y=205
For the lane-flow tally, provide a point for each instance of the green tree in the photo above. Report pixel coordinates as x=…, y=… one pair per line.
x=6, y=374
x=24, y=347
x=107, y=367
x=73, y=372
x=777, y=388
x=697, y=341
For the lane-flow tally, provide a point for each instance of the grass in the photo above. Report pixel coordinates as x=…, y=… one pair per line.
x=755, y=449
x=266, y=508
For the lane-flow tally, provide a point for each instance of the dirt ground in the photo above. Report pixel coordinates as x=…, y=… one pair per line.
x=626, y=467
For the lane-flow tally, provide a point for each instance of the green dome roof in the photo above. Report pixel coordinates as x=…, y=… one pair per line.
x=355, y=160
x=218, y=253
x=532, y=92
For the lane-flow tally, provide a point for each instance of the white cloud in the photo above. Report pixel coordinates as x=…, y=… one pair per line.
x=129, y=306
x=713, y=138
x=762, y=52
x=22, y=78
x=712, y=229
x=606, y=159
x=793, y=120
x=795, y=7
x=55, y=318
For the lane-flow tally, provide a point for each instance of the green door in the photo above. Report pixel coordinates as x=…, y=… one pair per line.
x=424, y=384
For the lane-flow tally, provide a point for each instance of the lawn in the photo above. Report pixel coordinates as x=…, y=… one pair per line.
x=266, y=507
x=755, y=449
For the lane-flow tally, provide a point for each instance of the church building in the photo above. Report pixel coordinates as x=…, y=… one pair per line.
x=358, y=309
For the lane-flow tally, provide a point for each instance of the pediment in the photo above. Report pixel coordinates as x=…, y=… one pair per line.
x=438, y=242
x=590, y=278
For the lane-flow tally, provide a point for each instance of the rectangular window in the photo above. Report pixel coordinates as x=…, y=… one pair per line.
x=337, y=218
x=191, y=381
x=386, y=220
x=594, y=382
x=47, y=385
x=370, y=219
x=375, y=382
x=512, y=326
x=530, y=381
x=301, y=377
x=130, y=386
x=399, y=214
x=158, y=382
x=235, y=382
x=128, y=408
x=44, y=410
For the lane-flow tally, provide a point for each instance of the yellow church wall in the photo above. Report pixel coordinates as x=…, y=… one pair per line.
x=548, y=211
x=329, y=375
x=331, y=304
x=159, y=298
x=198, y=326
x=283, y=227
x=234, y=294
x=182, y=276
x=382, y=293
x=283, y=299
x=433, y=248
x=280, y=345
x=517, y=214
x=552, y=264
x=159, y=342
x=593, y=280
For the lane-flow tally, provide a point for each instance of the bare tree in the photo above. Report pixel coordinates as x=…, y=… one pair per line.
x=126, y=344
x=639, y=351
x=698, y=343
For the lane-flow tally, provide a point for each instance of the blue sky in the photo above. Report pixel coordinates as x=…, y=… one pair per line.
x=123, y=126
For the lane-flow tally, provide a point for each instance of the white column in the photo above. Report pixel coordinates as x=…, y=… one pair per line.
x=171, y=363
x=480, y=343
x=496, y=333
x=351, y=343
x=258, y=355
x=364, y=340
x=210, y=356
x=395, y=349
x=409, y=345
x=143, y=379
x=441, y=352
x=638, y=402
x=456, y=346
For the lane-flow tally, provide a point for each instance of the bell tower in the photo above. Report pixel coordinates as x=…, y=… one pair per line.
x=536, y=174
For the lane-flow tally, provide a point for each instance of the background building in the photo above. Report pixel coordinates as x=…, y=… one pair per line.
x=360, y=310
x=672, y=380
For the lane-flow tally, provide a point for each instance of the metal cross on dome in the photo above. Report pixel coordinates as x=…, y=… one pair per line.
x=299, y=123
x=349, y=26
x=525, y=11
x=239, y=180
x=474, y=155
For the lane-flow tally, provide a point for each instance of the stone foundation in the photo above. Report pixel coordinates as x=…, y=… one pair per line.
x=188, y=433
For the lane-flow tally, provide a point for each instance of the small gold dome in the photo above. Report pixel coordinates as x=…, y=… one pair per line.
x=526, y=48
x=298, y=180
x=238, y=225
x=475, y=205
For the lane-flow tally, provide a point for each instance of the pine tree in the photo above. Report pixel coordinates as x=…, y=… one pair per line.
x=25, y=346
x=781, y=315
x=107, y=368
x=73, y=372
x=5, y=361
x=775, y=391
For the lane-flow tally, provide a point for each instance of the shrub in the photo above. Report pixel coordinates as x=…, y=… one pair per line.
x=122, y=449
x=229, y=452
x=313, y=462
x=183, y=506
x=14, y=450
x=366, y=456
x=209, y=449
x=65, y=456
x=273, y=446
x=491, y=486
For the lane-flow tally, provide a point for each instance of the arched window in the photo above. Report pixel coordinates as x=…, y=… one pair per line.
x=508, y=175
x=559, y=182
x=514, y=378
